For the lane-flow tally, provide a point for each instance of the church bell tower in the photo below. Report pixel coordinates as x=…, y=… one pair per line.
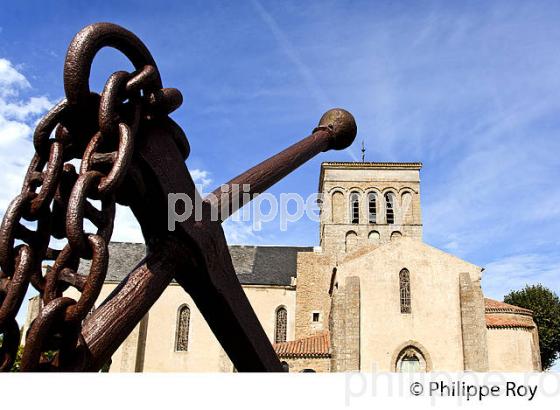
x=368, y=202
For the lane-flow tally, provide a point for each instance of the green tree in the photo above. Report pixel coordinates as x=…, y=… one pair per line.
x=545, y=305
x=15, y=367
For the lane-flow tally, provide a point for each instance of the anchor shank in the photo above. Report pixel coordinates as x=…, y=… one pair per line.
x=264, y=175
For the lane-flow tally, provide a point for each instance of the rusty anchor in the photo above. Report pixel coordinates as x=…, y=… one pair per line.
x=133, y=154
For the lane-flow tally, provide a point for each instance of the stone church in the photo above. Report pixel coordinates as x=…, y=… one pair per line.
x=371, y=297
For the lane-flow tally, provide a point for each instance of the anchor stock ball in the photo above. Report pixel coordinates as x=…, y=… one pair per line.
x=342, y=123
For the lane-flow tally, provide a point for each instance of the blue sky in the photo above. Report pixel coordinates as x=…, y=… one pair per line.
x=472, y=90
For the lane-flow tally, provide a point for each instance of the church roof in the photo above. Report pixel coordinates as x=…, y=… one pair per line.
x=501, y=321
x=375, y=165
x=504, y=315
x=494, y=306
x=254, y=265
x=266, y=265
x=427, y=251
x=312, y=346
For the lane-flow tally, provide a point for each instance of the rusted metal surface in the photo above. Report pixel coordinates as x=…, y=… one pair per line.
x=132, y=153
x=336, y=130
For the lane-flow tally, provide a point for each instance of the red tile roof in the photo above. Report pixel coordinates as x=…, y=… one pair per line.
x=500, y=320
x=503, y=315
x=494, y=306
x=313, y=346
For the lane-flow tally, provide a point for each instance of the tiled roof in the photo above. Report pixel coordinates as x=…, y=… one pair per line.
x=123, y=257
x=503, y=315
x=501, y=320
x=494, y=306
x=254, y=265
x=364, y=164
x=266, y=265
x=312, y=346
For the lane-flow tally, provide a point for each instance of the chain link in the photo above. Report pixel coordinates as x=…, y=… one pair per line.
x=57, y=199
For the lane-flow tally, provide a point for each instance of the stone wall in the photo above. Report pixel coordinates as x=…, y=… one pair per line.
x=132, y=351
x=313, y=281
x=473, y=324
x=512, y=350
x=345, y=326
x=434, y=323
x=151, y=345
x=318, y=364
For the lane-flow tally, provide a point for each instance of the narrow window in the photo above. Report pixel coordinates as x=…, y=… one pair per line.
x=390, y=207
x=404, y=285
x=315, y=316
x=281, y=325
x=355, y=208
x=183, y=323
x=372, y=207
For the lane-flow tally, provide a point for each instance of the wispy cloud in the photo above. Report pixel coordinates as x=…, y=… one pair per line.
x=313, y=86
x=474, y=95
x=291, y=52
x=515, y=271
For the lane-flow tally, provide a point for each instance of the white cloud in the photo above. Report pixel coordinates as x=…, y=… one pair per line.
x=240, y=232
x=126, y=228
x=12, y=131
x=17, y=119
x=21, y=110
x=18, y=116
x=201, y=178
x=237, y=232
x=11, y=80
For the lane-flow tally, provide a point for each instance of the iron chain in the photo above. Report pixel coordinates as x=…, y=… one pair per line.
x=100, y=132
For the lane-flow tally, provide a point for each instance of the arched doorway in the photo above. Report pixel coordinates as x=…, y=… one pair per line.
x=410, y=358
x=409, y=362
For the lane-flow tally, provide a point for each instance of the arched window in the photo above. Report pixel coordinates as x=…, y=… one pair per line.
x=404, y=286
x=390, y=207
x=281, y=327
x=372, y=207
x=354, y=208
x=183, y=323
